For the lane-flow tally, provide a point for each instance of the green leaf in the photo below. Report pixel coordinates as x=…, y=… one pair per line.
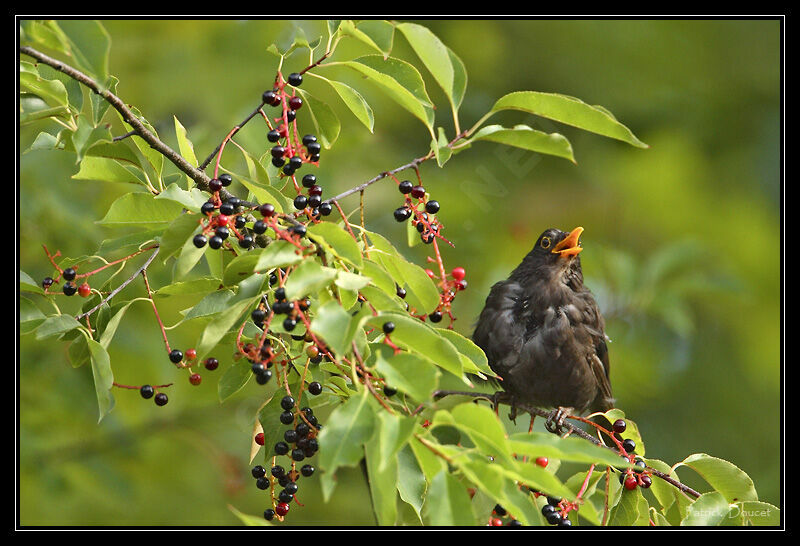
x=416, y=336
x=56, y=325
x=332, y=324
x=482, y=426
x=710, y=509
x=379, y=277
x=248, y=520
x=349, y=427
x=433, y=54
x=570, y=111
x=459, y=79
x=725, y=477
x=354, y=101
x=188, y=257
x=103, y=378
x=89, y=44
x=212, y=304
x=99, y=104
x=542, y=444
x=308, y=278
x=400, y=81
x=441, y=150
x=278, y=254
x=53, y=92
x=27, y=284
x=631, y=429
x=382, y=477
x=78, y=352
x=186, y=148
x=451, y=506
x=202, y=285
x=176, y=234
x=267, y=194
x=44, y=33
x=466, y=347
x=133, y=209
x=522, y=136
x=422, y=293
x=218, y=327
x=323, y=117
x=234, y=379
x=336, y=240
x=412, y=374
x=757, y=513
x=411, y=483
x=191, y=199
x=106, y=170
x=377, y=34
x=632, y=509
x=87, y=136
x=112, y=325
x=137, y=240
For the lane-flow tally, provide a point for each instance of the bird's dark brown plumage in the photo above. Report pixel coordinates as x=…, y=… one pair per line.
x=543, y=333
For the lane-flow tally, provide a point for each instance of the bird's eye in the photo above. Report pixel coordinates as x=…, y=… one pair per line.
x=545, y=242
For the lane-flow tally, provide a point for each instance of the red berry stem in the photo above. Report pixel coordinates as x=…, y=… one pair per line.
x=155, y=311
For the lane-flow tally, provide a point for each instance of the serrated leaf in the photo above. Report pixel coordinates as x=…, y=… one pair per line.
x=570, y=111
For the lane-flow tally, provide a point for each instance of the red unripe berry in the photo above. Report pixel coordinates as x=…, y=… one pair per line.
x=542, y=461
x=282, y=509
x=418, y=192
x=84, y=290
x=295, y=103
x=195, y=379
x=222, y=220
x=630, y=483
x=190, y=354
x=260, y=438
x=458, y=273
x=497, y=522
x=461, y=285
x=430, y=273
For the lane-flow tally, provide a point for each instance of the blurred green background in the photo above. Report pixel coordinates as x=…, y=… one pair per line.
x=682, y=246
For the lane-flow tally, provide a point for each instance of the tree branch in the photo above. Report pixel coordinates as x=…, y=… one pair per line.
x=200, y=178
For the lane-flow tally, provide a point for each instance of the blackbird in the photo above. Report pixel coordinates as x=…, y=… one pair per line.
x=543, y=334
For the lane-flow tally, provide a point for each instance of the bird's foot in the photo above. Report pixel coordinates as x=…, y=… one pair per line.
x=555, y=422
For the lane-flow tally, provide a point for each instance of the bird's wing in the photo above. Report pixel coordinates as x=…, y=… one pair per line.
x=599, y=363
x=499, y=332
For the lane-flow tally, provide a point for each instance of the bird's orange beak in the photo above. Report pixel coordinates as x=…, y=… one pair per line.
x=570, y=246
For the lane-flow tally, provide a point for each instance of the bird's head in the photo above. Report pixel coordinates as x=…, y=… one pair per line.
x=555, y=254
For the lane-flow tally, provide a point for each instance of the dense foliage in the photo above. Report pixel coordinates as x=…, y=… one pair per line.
x=325, y=315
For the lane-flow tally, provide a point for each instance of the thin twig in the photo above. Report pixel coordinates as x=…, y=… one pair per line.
x=121, y=286
x=200, y=178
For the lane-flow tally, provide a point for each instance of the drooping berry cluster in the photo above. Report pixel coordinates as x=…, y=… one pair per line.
x=421, y=208
x=555, y=513
x=500, y=517
x=638, y=476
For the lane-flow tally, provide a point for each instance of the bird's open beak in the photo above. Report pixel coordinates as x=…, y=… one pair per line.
x=570, y=246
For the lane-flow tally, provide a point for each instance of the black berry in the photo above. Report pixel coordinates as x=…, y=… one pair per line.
x=295, y=79
x=307, y=470
x=175, y=356
x=405, y=186
x=273, y=136
x=432, y=207
x=309, y=180
x=300, y=202
x=262, y=483
x=69, y=288
x=308, y=139
x=388, y=327
x=402, y=214
x=281, y=448
x=325, y=209
x=215, y=242
x=287, y=417
x=315, y=388
x=214, y=185
x=211, y=364
x=287, y=402
x=69, y=274
x=161, y=399
x=207, y=207
x=147, y=391
x=436, y=316
x=227, y=209
x=258, y=471
x=200, y=240
x=47, y=282
x=266, y=210
x=226, y=179
x=295, y=103
x=620, y=426
x=629, y=445
x=418, y=192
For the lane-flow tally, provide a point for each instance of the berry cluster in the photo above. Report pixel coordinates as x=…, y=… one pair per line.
x=638, y=476
x=70, y=288
x=299, y=443
x=314, y=198
x=230, y=216
x=555, y=513
x=450, y=285
x=424, y=221
x=500, y=517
